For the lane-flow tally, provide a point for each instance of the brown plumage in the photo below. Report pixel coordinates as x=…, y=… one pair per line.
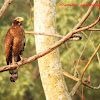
x=14, y=45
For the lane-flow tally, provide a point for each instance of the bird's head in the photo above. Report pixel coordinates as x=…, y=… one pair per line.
x=18, y=21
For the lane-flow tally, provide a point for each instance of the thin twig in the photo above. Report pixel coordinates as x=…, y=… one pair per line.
x=93, y=29
x=91, y=87
x=70, y=76
x=90, y=60
x=75, y=37
x=83, y=83
x=54, y=35
x=30, y=7
x=80, y=95
x=81, y=55
x=87, y=27
x=78, y=80
x=85, y=16
x=75, y=88
x=5, y=7
x=93, y=47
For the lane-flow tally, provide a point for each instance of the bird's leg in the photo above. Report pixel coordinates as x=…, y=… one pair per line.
x=21, y=57
x=14, y=61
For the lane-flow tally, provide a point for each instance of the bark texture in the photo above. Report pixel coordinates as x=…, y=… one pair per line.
x=50, y=66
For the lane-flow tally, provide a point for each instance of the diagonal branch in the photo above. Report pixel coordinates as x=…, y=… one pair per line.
x=48, y=50
x=70, y=76
x=90, y=60
x=75, y=88
x=85, y=16
x=81, y=55
x=5, y=7
x=93, y=46
x=89, y=26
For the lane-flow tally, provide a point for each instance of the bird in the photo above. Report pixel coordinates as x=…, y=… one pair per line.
x=14, y=45
x=76, y=37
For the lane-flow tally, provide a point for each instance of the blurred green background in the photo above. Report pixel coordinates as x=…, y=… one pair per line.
x=28, y=86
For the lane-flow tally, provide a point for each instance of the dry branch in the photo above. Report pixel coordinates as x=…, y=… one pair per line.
x=93, y=29
x=90, y=60
x=81, y=56
x=83, y=83
x=5, y=7
x=87, y=27
x=93, y=46
x=80, y=94
x=85, y=16
x=70, y=76
x=74, y=37
x=75, y=88
x=54, y=35
x=91, y=87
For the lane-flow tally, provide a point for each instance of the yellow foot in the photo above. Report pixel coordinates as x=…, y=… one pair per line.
x=14, y=63
x=22, y=59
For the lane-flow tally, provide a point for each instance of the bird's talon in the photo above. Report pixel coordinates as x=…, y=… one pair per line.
x=22, y=60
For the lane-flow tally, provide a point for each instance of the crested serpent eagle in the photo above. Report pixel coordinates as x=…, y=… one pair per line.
x=14, y=45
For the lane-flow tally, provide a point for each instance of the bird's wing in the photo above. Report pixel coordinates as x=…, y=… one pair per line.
x=8, y=47
x=21, y=52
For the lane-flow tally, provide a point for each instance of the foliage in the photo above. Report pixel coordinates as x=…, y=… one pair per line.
x=26, y=88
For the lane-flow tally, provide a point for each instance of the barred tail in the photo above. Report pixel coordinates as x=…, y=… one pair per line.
x=13, y=75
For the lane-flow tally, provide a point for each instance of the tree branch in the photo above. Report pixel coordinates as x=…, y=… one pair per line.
x=54, y=35
x=91, y=87
x=90, y=60
x=93, y=46
x=75, y=88
x=81, y=56
x=89, y=26
x=74, y=37
x=85, y=16
x=93, y=29
x=70, y=76
x=48, y=50
x=5, y=7
x=78, y=84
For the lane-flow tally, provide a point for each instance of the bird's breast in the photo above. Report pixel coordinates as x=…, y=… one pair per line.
x=18, y=39
x=17, y=31
x=18, y=44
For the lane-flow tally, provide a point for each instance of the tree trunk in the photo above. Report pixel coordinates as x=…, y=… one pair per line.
x=49, y=65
